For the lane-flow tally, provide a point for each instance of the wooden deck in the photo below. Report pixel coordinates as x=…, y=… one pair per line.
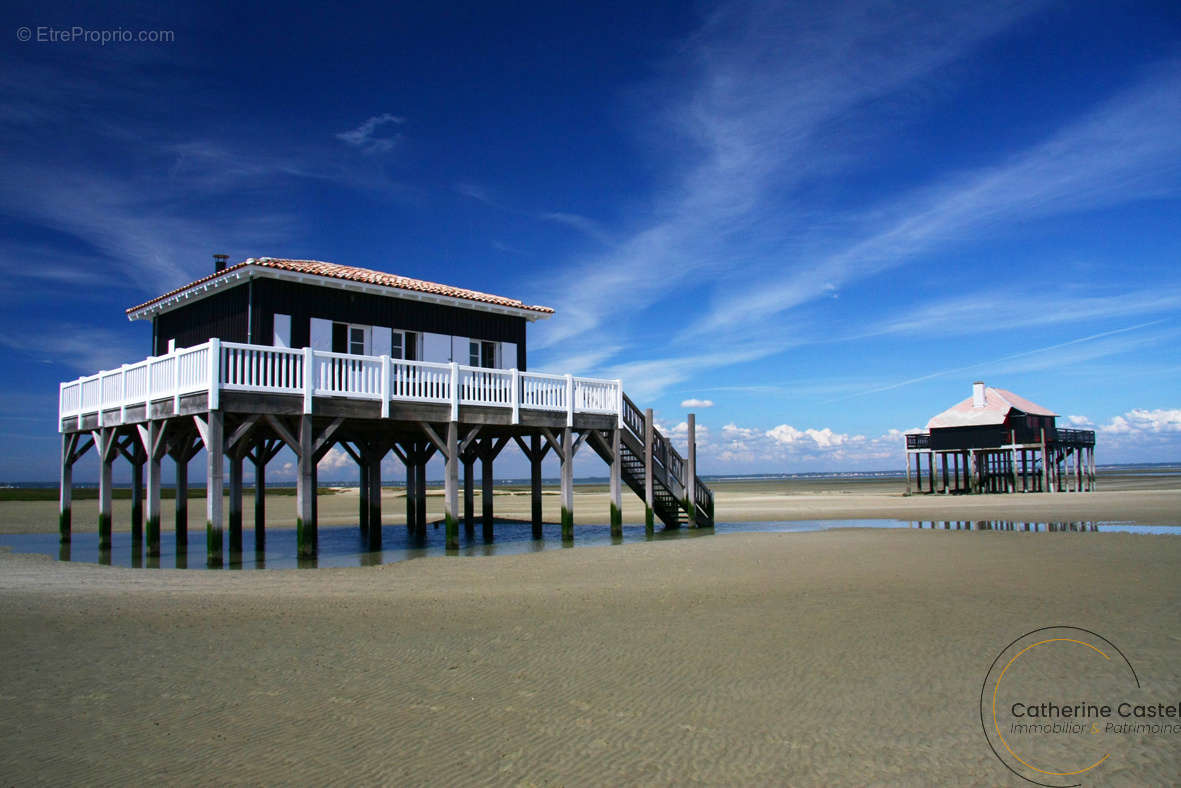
x=246, y=402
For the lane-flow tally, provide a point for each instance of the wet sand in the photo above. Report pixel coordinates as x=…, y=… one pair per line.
x=1136, y=499
x=838, y=658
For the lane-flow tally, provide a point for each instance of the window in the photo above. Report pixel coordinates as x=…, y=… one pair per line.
x=351, y=339
x=482, y=354
x=357, y=340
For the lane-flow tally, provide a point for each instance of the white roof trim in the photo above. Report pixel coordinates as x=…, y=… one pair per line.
x=232, y=277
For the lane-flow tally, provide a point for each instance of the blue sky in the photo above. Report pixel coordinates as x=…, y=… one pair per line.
x=827, y=222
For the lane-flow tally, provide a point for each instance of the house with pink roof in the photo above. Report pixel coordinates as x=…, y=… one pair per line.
x=998, y=441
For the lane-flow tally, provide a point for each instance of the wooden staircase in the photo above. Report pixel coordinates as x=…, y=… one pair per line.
x=669, y=471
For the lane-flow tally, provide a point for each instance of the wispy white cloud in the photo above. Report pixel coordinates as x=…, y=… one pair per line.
x=83, y=348
x=588, y=227
x=767, y=81
x=1124, y=151
x=997, y=310
x=1064, y=354
x=374, y=135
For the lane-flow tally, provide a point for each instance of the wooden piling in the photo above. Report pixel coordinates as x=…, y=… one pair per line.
x=616, y=485
x=214, y=439
x=305, y=492
x=363, y=487
x=260, y=500
x=567, y=457
x=487, y=457
x=536, y=455
x=137, y=495
x=235, y=514
x=469, y=495
x=104, y=441
x=66, y=490
x=649, y=490
x=181, y=502
x=451, y=485
x=373, y=497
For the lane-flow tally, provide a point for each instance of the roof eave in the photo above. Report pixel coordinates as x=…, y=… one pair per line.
x=234, y=275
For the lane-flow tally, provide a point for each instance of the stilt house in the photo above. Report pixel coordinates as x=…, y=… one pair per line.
x=998, y=441
x=310, y=355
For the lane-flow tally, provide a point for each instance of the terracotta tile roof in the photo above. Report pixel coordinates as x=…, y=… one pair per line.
x=997, y=404
x=354, y=274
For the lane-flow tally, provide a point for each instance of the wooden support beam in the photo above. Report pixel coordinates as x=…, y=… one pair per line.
x=260, y=459
x=214, y=438
x=487, y=456
x=567, y=458
x=908, y=472
x=151, y=437
x=374, y=485
x=307, y=535
x=325, y=440
x=66, y=490
x=469, y=494
x=104, y=440
x=616, y=485
x=536, y=454
x=411, y=486
x=363, y=487
x=451, y=486
x=138, y=458
x=181, y=502
x=285, y=434
x=649, y=489
x=235, y=517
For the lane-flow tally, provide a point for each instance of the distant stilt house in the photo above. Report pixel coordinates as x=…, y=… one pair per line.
x=308, y=355
x=996, y=441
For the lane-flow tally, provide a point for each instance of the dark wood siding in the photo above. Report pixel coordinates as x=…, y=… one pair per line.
x=225, y=315
x=948, y=438
x=221, y=315
x=303, y=302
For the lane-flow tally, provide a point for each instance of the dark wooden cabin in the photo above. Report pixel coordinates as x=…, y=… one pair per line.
x=998, y=441
x=344, y=309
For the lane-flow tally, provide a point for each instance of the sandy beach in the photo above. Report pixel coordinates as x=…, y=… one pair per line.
x=844, y=657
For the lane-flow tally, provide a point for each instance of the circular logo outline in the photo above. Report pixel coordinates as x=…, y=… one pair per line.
x=984, y=687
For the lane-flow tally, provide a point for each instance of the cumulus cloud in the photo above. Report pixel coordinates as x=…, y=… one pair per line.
x=1140, y=421
x=373, y=136
x=693, y=402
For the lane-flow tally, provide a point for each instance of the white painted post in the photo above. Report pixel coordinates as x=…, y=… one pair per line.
x=516, y=396
x=385, y=387
x=123, y=394
x=100, y=399
x=619, y=400
x=309, y=386
x=175, y=376
x=214, y=374
x=454, y=391
x=569, y=400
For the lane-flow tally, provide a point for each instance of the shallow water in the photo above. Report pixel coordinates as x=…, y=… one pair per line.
x=342, y=546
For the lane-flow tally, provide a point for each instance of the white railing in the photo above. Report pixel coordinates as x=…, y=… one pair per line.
x=230, y=366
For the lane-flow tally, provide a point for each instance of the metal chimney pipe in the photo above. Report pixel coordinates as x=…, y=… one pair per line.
x=219, y=262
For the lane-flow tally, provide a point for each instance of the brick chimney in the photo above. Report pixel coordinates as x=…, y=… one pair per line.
x=219, y=262
x=978, y=394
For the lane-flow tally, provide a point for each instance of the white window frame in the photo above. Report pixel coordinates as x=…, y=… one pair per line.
x=366, y=338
